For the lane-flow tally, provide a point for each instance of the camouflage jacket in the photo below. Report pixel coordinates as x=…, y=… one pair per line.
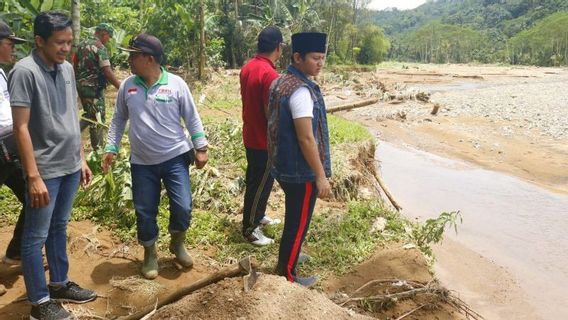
x=88, y=61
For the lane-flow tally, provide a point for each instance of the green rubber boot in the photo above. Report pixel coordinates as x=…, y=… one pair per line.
x=177, y=247
x=150, y=265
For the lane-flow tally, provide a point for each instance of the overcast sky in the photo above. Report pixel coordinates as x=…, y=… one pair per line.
x=399, y=4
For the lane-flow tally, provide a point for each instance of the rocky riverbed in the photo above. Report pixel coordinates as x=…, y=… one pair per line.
x=509, y=119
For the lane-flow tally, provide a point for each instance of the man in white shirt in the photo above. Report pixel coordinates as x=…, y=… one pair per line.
x=298, y=146
x=10, y=169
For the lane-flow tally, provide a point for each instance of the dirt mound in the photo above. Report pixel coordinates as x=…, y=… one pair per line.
x=271, y=298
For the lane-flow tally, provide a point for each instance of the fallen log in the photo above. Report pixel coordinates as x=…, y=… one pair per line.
x=353, y=105
x=467, y=76
x=435, y=109
x=244, y=267
x=386, y=190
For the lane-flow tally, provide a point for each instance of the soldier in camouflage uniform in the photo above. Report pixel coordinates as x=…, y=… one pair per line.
x=92, y=72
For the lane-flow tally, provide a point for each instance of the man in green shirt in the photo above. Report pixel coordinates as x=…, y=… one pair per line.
x=92, y=72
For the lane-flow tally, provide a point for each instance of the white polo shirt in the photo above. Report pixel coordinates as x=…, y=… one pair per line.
x=156, y=133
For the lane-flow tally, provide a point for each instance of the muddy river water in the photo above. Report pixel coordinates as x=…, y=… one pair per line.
x=515, y=224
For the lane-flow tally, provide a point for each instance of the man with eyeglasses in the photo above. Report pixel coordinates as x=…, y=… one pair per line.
x=93, y=71
x=10, y=168
x=155, y=102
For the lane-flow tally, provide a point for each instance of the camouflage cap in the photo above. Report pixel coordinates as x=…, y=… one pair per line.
x=106, y=27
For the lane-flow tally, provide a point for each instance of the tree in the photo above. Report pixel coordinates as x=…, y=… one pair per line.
x=76, y=18
x=374, y=45
x=200, y=73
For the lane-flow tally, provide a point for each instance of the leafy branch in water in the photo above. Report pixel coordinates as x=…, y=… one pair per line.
x=423, y=235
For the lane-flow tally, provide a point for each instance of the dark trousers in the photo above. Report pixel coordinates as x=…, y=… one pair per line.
x=300, y=201
x=11, y=175
x=258, y=186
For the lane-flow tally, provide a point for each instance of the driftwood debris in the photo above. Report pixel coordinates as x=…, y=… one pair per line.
x=422, y=96
x=366, y=159
x=435, y=109
x=244, y=267
x=386, y=191
x=353, y=105
x=429, y=74
x=467, y=76
x=397, y=290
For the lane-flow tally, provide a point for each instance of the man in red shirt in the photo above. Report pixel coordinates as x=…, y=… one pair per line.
x=256, y=77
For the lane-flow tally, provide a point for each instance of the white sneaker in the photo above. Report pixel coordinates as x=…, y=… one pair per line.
x=266, y=220
x=258, y=238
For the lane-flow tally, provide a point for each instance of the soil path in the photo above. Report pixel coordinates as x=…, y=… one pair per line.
x=99, y=262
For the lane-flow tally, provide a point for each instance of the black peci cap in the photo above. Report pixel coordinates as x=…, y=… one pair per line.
x=305, y=42
x=6, y=32
x=145, y=43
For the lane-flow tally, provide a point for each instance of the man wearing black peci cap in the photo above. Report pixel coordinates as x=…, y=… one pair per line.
x=298, y=146
x=256, y=77
x=10, y=169
x=155, y=101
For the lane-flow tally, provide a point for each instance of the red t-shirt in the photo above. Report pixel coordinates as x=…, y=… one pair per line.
x=256, y=77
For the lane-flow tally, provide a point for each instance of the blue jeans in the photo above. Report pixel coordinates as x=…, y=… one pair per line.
x=146, y=189
x=48, y=226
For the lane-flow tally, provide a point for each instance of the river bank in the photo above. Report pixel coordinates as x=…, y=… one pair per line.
x=513, y=120
x=507, y=127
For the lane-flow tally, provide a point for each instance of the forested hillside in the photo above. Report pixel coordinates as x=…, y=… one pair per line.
x=217, y=33
x=205, y=34
x=509, y=31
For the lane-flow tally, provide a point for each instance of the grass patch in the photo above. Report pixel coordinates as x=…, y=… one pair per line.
x=337, y=241
x=344, y=131
x=10, y=206
x=221, y=93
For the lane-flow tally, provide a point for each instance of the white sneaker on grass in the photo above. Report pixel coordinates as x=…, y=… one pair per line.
x=258, y=238
x=266, y=221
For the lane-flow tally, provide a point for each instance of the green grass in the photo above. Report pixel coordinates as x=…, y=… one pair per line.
x=10, y=206
x=339, y=241
x=344, y=131
x=336, y=240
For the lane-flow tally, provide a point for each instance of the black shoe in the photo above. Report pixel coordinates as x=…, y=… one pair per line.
x=306, y=282
x=71, y=292
x=50, y=310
